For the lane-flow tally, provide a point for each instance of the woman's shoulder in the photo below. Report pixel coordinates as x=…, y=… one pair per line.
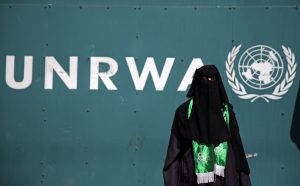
x=183, y=108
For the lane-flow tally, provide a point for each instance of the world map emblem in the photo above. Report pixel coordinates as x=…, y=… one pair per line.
x=261, y=67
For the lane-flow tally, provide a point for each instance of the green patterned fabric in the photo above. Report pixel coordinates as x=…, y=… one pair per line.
x=209, y=160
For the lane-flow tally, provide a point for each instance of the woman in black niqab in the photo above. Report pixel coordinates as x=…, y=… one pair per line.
x=206, y=125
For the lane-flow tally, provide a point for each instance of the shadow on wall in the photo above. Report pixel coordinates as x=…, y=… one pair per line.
x=295, y=128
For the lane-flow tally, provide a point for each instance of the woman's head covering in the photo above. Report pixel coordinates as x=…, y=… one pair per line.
x=205, y=71
x=206, y=122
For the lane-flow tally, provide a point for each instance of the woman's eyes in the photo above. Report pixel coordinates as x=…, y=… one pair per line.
x=209, y=78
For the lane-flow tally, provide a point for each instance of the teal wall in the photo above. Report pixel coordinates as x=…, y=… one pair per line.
x=85, y=137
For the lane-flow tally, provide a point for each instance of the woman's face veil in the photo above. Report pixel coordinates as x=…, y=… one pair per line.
x=208, y=73
x=208, y=93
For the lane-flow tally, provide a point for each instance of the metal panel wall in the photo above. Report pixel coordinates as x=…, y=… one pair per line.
x=64, y=136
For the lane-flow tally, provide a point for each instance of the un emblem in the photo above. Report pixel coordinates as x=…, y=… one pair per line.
x=261, y=67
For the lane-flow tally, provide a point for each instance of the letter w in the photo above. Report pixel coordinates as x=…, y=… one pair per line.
x=149, y=67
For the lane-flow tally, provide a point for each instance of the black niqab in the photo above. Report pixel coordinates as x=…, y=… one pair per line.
x=206, y=122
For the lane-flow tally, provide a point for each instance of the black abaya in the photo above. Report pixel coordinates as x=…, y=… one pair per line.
x=205, y=125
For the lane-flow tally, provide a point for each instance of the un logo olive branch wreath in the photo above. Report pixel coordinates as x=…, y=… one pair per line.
x=279, y=90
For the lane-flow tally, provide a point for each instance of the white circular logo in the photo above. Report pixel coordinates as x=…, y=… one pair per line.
x=261, y=67
x=202, y=157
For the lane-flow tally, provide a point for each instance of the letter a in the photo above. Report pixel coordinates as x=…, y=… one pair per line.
x=188, y=77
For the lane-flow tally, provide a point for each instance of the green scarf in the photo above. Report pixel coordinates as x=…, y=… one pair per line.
x=209, y=160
